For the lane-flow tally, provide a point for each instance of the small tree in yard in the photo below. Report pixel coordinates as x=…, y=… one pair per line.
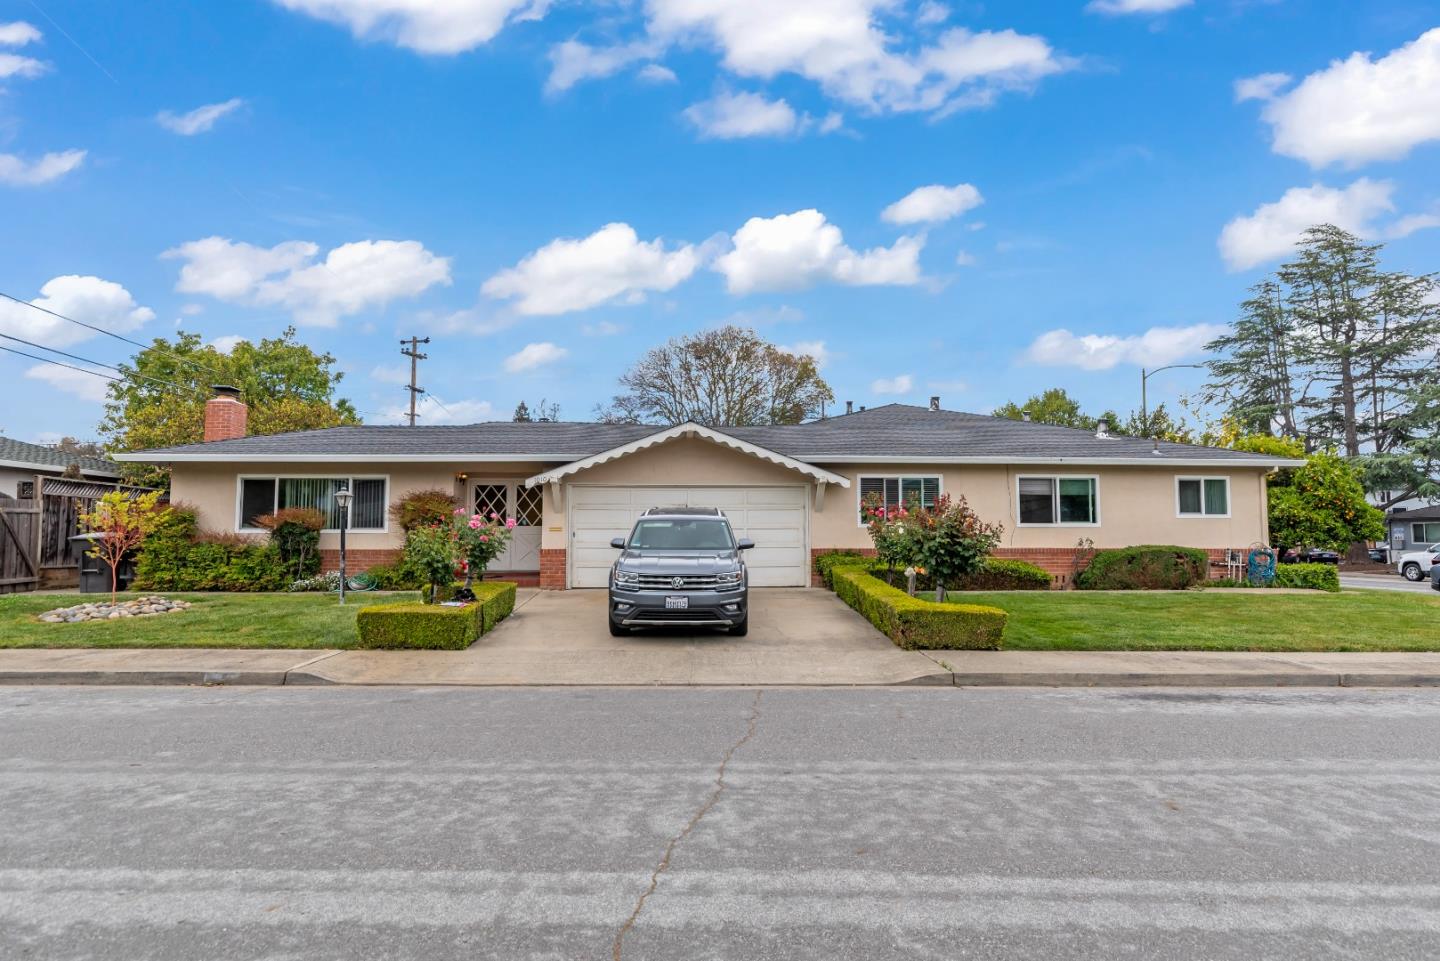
x=1322, y=505
x=122, y=523
x=434, y=550
x=892, y=534
x=482, y=539
x=952, y=540
x=295, y=532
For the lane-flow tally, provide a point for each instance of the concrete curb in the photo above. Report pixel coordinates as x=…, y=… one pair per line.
x=187, y=678
x=1147, y=679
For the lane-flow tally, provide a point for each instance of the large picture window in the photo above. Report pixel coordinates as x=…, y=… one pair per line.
x=896, y=492
x=1059, y=500
x=1202, y=496
x=264, y=495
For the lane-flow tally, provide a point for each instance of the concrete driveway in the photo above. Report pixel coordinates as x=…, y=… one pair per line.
x=798, y=636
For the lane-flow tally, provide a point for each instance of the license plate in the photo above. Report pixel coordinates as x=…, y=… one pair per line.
x=677, y=603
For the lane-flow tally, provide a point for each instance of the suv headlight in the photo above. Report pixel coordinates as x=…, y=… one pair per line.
x=728, y=579
x=627, y=579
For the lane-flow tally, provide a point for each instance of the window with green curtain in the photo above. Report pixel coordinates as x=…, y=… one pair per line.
x=1190, y=497
x=1204, y=496
x=316, y=492
x=1217, y=496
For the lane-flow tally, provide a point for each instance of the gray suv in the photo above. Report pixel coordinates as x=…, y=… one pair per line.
x=680, y=567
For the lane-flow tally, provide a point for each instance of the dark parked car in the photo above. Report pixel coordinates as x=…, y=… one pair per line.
x=680, y=566
x=1435, y=577
x=1380, y=555
x=1309, y=555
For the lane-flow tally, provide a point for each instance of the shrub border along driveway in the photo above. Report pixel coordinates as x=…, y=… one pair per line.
x=916, y=624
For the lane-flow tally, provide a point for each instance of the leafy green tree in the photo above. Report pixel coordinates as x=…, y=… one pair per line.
x=1322, y=505
x=723, y=377
x=160, y=399
x=522, y=414
x=1057, y=407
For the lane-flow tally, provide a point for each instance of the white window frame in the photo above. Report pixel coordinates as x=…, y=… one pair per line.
x=899, y=478
x=1057, y=478
x=1421, y=540
x=1202, y=478
x=350, y=480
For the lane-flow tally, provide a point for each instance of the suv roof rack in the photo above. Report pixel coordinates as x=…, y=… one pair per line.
x=693, y=511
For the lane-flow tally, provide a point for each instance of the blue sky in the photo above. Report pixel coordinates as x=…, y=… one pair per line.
x=972, y=200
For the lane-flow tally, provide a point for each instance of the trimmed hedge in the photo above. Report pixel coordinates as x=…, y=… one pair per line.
x=432, y=627
x=915, y=624
x=1150, y=567
x=826, y=563
x=1315, y=577
x=995, y=574
x=178, y=556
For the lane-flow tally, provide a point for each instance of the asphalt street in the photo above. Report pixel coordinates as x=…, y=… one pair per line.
x=208, y=823
x=1384, y=582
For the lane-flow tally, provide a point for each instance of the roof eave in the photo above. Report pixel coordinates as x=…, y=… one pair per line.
x=45, y=468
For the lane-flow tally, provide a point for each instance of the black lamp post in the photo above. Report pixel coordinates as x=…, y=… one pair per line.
x=343, y=497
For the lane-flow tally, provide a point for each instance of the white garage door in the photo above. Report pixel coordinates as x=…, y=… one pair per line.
x=772, y=517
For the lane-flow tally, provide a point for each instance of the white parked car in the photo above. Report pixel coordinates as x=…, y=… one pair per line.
x=1414, y=566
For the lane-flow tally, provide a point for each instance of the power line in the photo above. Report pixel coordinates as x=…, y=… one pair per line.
x=87, y=360
x=46, y=360
x=110, y=333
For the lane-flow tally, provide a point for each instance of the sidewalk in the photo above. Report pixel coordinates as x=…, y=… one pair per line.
x=694, y=665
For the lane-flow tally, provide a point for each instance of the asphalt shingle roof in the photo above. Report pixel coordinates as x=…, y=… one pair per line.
x=19, y=452
x=895, y=432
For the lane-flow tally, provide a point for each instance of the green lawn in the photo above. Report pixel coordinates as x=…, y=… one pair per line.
x=216, y=620
x=1216, y=620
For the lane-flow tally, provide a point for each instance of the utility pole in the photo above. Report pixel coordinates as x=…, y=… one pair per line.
x=411, y=348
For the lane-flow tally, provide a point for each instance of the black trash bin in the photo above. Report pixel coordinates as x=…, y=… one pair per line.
x=95, y=571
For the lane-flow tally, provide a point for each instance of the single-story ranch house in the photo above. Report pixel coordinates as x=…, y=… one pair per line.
x=794, y=490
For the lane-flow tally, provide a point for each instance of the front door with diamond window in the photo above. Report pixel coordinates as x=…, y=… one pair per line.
x=513, y=499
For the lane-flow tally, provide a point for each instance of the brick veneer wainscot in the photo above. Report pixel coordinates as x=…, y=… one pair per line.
x=552, y=568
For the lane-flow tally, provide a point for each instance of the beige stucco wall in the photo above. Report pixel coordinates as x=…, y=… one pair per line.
x=1137, y=504
x=212, y=489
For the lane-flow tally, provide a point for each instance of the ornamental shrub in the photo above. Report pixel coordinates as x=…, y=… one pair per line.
x=953, y=542
x=434, y=551
x=295, y=532
x=177, y=556
x=1315, y=577
x=826, y=563
x=1145, y=568
x=1004, y=574
x=410, y=626
x=402, y=575
x=422, y=508
x=916, y=624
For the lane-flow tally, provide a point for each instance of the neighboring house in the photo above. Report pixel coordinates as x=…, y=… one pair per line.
x=1413, y=530
x=21, y=464
x=795, y=491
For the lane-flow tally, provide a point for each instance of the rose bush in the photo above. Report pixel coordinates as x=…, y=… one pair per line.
x=948, y=541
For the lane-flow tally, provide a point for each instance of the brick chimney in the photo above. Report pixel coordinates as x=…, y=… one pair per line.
x=225, y=414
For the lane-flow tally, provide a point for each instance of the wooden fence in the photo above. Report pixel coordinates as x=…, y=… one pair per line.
x=19, y=533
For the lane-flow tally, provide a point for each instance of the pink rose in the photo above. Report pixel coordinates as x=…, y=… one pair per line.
x=494, y=516
x=459, y=511
x=510, y=524
x=484, y=539
x=474, y=523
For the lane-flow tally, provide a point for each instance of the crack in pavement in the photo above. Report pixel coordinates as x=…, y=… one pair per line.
x=695, y=819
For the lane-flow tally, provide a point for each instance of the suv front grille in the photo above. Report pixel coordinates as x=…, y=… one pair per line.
x=665, y=582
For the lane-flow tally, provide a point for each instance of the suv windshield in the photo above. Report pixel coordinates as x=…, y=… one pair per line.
x=672, y=534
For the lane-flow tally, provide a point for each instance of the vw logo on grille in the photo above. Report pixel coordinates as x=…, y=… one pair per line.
x=677, y=582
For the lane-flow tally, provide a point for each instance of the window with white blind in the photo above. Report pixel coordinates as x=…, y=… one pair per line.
x=264, y=495
x=897, y=492
x=1202, y=496
x=1057, y=500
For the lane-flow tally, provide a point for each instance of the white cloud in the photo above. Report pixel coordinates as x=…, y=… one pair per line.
x=965, y=259
x=1410, y=223
x=932, y=204
x=842, y=46
x=391, y=373
x=532, y=356
x=435, y=411
x=14, y=65
x=1272, y=230
x=427, y=26
x=1261, y=87
x=17, y=172
x=352, y=278
x=729, y=116
x=814, y=349
x=228, y=342
x=573, y=61
x=198, y=120
x=930, y=13
x=100, y=303
x=87, y=387
x=1123, y=7
x=657, y=73
x=793, y=251
x=902, y=384
x=18, y=33
x=1157, y=347
x=1358, y=110
x=612, y=264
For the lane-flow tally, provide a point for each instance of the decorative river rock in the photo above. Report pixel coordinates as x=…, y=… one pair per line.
x=105, y=611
